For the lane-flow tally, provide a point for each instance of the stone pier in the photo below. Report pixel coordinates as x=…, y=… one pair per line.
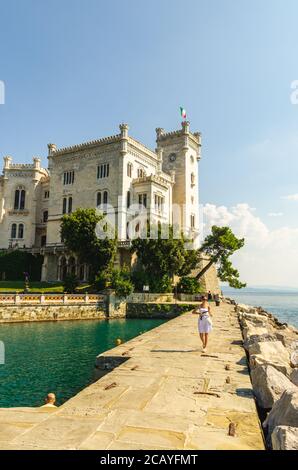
x=157, y=391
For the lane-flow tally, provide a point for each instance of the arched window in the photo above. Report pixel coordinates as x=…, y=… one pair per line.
x=128, y=199
x=70, y=205
x=22, y=200
x=14, y=231
x=16, y=199
x=45, y=216
x=98, y=199
x=105, y=197
x=19, y=199
x=129, y=170
x=82, y=272
x=72, y=266
x=64, y=205
x=21, y=231
x=192, y=178
x=141, y=173
x=62, y=268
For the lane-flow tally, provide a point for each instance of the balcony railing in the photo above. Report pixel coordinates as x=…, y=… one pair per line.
x=50, y=299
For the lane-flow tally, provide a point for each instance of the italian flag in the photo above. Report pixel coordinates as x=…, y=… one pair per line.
x=183, y=112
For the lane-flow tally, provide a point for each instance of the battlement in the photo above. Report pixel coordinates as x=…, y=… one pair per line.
x=167, y=137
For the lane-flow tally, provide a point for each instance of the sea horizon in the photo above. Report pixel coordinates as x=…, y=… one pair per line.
x=281, y=301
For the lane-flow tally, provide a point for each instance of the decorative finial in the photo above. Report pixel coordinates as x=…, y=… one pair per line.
x=7, y=162
x=52, y=148
x=185, y=126
x=124, y=129
x=159, y=132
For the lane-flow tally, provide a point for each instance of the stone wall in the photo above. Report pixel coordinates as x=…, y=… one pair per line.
x=162, y=311
x=209, y=281
x=150, y=297
x=18, y=313
x=272, y=350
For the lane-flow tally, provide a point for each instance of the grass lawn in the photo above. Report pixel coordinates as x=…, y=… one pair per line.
x=18, y=286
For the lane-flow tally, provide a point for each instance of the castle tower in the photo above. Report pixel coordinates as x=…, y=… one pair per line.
x=181, y=153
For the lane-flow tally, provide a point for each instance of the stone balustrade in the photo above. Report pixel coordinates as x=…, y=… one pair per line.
x=50, y=299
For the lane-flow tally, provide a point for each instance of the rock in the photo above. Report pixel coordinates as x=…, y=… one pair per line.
x=269, y=384
x=284, y=438
x=284, y=412
x=246, y=308
x=251, y=330
x=249, y=343
x=270, y=353
x=294, y=377
x=258, y=320
x=294, y=359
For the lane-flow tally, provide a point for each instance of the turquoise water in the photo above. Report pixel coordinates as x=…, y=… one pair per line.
x=57, y=357
x=282, y=303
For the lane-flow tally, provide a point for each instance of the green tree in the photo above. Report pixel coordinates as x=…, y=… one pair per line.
x=188, y=285
x=219, y=246
x=161, y=259
x=70, y=284
x=79, y=236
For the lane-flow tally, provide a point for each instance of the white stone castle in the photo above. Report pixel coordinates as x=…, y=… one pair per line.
x=116, y=171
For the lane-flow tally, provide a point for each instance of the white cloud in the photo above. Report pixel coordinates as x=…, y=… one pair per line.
x=269, y=257
x=291, y=197
x=275, y=214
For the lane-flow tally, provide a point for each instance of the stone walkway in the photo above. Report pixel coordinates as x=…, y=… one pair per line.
x=162, y=394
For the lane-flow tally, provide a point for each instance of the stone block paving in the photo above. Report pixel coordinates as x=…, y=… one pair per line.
x=165, y=394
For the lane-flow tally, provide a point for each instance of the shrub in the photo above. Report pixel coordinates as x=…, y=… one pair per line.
x=15, y=263
x=70, y=283
x=188, y=285
x=121, y=282
x=159, y=285
x=102, y=280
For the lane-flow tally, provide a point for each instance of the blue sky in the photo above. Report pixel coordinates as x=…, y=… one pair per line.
x=75, y=69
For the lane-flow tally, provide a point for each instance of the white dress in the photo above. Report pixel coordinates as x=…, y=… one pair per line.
x=205, y=323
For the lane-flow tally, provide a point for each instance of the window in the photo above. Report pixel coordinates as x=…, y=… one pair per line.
x=143, y=200
x=101, y=198
x=21, y=231
x=45, y=216
x=64, y=205
x=69, y=205
x=103, y=170
x=192, y=199
x=192, y=178
x=129, y=170
x=22, y=200
x=141, y=173
x=159, y=203
x=19, y=199
x=128, y=199
x=43, y=240
x=14, y=231
x=46, y=194
x=68, y=177
x=192, y=221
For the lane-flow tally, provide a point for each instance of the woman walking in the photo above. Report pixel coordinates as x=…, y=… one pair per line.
x=205, y=322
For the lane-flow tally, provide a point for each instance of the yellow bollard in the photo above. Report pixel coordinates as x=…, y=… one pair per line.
x=118, y=341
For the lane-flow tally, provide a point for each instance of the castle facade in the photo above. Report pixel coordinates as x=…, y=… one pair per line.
x=116, y=174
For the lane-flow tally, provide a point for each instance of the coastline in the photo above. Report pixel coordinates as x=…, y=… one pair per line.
x=272, y=352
